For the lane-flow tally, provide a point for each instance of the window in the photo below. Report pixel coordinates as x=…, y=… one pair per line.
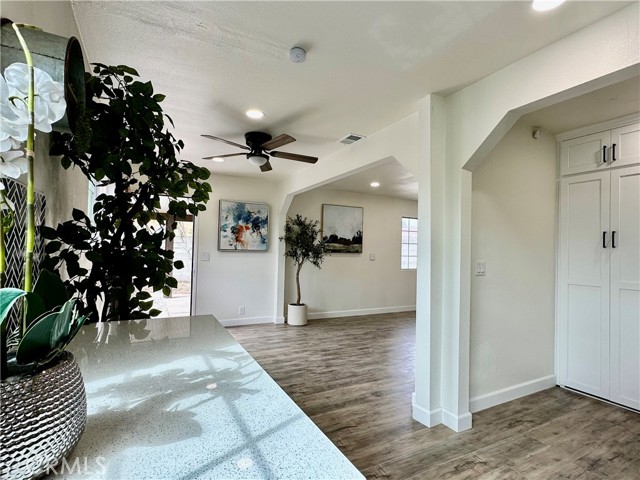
x=409, y=255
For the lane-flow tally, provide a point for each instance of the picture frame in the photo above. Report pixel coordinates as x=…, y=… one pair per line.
x=243, y=226
x=342, y=228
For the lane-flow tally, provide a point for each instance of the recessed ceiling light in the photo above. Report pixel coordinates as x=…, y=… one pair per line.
x=375, y=184
x=255, y=114
x=544, y=5
x=218, y=159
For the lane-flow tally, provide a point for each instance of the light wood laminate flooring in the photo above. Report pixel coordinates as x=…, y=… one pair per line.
x=354, y=378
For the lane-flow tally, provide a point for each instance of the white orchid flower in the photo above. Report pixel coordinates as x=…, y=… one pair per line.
x=13, y=164
x=12, y=125
x=49, y=102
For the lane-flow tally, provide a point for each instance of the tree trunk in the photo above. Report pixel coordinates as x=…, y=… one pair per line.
x=298, y=283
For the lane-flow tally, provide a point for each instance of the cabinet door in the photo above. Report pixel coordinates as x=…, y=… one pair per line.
x=625, y=287
x=584, y=154
x=627, y=145
x=584, y=283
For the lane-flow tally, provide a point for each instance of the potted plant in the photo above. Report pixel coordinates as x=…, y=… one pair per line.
x=302, y=245
x=115, y=257
x=42, y=392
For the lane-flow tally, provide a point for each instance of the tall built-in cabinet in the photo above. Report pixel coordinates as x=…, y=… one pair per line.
x=599, y=261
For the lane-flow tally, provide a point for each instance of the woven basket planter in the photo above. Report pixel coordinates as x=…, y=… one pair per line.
x=43, y=417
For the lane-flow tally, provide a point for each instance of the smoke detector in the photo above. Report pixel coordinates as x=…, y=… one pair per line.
x=351, y=138
x=297, y=55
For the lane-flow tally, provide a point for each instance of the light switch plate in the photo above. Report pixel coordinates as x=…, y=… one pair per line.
x=205, y=257
x=372, y=257
x=481, y=268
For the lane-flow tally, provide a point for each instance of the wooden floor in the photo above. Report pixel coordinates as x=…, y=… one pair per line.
x=354, y=378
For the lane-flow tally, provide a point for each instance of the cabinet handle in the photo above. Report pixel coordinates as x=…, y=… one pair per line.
x=604, y=239
x=604, y=154
x=613, y=239
x=613, y=153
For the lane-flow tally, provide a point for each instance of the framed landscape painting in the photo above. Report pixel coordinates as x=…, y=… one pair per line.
x=342, y=228
x=243, y=227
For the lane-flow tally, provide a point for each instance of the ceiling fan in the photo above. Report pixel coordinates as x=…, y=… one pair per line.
x=260, y=146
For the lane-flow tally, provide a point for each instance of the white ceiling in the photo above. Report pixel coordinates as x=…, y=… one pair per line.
x=368, y=63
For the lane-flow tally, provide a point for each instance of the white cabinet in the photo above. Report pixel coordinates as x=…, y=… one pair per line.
x=601, y=150
x=599, y=283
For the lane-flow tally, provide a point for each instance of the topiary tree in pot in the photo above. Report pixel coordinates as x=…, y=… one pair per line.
x=302, y=245
x=127, y=147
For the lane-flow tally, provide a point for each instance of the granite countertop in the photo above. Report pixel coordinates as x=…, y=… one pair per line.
x=179, y=398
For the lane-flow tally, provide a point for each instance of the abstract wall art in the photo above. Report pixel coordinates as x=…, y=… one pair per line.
x=342, y=228
x=243, y=227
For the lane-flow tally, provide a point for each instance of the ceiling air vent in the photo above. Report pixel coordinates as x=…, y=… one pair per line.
x=351, y=138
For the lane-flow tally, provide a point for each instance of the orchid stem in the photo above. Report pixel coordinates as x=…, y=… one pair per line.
x=30, y=236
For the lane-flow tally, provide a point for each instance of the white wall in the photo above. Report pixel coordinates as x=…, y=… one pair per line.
x=513, y=230
x=232, y=279
x=64, y=189
x=351, y=284
x=476, y=118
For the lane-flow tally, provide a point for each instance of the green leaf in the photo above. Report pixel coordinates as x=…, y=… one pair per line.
x=52, y=246
x=178, y=264
x=35, y=346
x=35, y=307
x=50, y=288
x=8, y=297
x=48, y=233
x=93, y=256
x=171, y=282
x=154, y=312
x=78, y=215
x=166, y=291
x=158, y=97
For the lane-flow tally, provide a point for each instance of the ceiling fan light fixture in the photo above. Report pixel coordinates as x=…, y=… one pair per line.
x=255, y=114
x=257, y=160
x=375, y=184
x=218, y=159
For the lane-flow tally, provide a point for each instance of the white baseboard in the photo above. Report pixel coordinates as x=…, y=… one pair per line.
x=236, y=322
x=457, y=423
x=430, y=418
x=278, y=320
x=363, y=311
x=492, y=399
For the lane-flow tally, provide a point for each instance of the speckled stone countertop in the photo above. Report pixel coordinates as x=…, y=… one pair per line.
x=179, y=398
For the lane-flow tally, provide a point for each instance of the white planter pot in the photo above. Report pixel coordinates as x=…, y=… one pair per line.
x=297, y=314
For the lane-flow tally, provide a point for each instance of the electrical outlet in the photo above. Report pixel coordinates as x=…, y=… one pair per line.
x=372, y=257
x=481, y=268
x=205, y=257
x=241, y=310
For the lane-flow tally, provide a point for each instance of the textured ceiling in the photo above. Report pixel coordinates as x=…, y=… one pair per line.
x=368, y=63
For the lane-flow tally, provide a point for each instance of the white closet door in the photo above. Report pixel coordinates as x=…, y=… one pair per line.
x=584, y=154
x=584, y=308
x=625, y=287
x=627, y=145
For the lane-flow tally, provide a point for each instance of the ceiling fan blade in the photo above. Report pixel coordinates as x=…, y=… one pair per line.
x=294, y=156
x=266, y=167
x=279, y=141
x=224, y=156
x=226, y=141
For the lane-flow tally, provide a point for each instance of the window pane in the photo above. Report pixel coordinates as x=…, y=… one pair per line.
x=405, y=249
x=405, y=223
x=413, y=237
x=413, y=224
x=405, y=237
x=404, y=263
x=413, y=250
x=413, y=262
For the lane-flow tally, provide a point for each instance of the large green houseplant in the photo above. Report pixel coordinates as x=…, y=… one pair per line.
x=302, y=245
x=131, y=153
